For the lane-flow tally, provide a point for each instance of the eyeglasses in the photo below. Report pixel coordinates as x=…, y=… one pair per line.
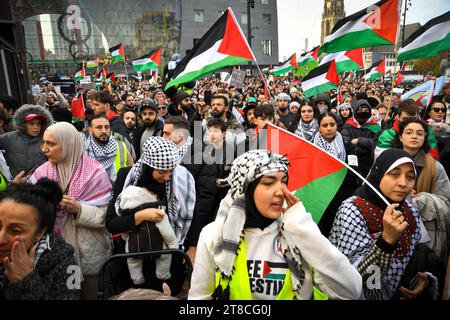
x=162, y=108
x=439, y=110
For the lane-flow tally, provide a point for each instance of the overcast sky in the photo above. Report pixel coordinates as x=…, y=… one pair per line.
x=300, y=19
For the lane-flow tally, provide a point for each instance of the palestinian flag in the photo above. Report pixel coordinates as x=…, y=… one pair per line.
x=80, y=74
x=77, y=108
x=428, y=41
x=111, y=77
x=399, y=78
x=321, y=79
x=286, y=66
x=377, y=70
x=365, y=28
x=346, y=60
x=274, y=270
x=308, y=61
x=224, y=44
x=117, y=53
x=151, y=60
x=92, y=63
x=312, y=171
x=267, y=70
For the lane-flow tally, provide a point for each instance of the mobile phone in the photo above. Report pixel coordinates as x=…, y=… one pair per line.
x=31, y=170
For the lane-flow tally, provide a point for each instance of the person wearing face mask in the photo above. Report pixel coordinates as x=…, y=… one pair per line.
x=258, y=250
x=359, y=134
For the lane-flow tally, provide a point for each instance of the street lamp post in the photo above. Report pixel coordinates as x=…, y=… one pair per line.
x=250, y=5
x=407, y=4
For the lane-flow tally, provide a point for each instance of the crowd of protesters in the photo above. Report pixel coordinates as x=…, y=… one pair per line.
x=149, y=169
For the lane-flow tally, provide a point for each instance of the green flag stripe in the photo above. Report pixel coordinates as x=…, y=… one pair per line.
x=320, y=89
x=429, y=50
x=353, y=40
x=146, y=66
x=347, y=65
x=328, y=186
x=194, y=75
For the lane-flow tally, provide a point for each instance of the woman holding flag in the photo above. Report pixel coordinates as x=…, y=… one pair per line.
x=378, y=235
x=258, y=250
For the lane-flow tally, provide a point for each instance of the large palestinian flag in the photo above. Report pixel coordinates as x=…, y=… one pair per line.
x=117, y=53
x=376, y=71
x=151, y=60
x=286, y=66
x=314, y=174
x=365, y=28
x=321, y=79
x=428, y=41
x=308, y=61
x=346, y=60
x=224, y=44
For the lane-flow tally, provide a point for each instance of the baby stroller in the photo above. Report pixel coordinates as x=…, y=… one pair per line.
x=114, y=277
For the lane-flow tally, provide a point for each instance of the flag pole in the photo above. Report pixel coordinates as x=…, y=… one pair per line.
x=396, y=49
x=340, y=161
x=263, y=77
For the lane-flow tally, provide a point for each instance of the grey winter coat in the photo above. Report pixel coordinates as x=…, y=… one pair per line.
x=21, y=150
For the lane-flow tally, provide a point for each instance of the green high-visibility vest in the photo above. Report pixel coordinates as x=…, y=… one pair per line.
x=240, y=283
x=3, y=184
x=121, y=156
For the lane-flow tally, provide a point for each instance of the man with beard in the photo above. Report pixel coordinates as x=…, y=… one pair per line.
x=285, y=115
x=250, y=121
x=130, y=103
x=182, y=105
x=104, y=104
x=234, y=131
x=151, y=125
x=130, y=120
x=101, y=146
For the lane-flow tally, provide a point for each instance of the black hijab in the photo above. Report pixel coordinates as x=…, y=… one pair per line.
x=147, y=181
x=253, y=218
x=380, y=167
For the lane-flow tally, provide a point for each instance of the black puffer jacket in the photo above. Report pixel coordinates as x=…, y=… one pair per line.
x=49, y=280
x=21, y=150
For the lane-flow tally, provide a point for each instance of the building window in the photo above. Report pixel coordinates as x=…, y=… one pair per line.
x=264, y=1
x=267, y=18
x=267, y=47
x=244, y=18
x=199, y=16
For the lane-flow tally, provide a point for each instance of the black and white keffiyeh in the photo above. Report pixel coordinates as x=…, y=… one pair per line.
x=336, y=147
x=231, y=215
x=103, y=154
x=307, y=130
x=43, y=245
x=161, y=154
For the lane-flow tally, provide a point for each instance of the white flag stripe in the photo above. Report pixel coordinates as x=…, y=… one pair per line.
x=435, y=33
x=338, y=57
x=350, y=26
x=115, y=53
x=141, y=61
x=208, y=57
x=315, y=82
